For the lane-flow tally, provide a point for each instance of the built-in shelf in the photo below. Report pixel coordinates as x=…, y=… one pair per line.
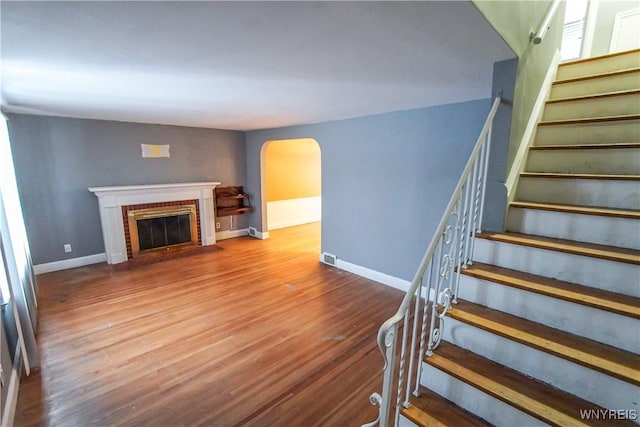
x=232, y=211
x=231, y=201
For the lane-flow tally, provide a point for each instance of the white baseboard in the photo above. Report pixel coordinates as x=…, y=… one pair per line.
x=262, y=235
x=69, y=263
x=376, y=276
x=9, y=410
x=230, y=234
x=288, y=213
x=367, y=273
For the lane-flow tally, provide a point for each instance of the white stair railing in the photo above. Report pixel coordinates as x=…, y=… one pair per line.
x=438, y=277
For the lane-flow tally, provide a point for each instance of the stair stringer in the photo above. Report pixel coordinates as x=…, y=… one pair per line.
x=616, y=276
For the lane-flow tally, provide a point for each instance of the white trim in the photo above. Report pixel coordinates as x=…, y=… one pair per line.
x=617, y=23
x=377, y=276
x=12, y=391
x=262, y=235
x=111, y=200
x=589, y=28
x=291, y=212
x=66, y=264
x=230, y=234
x=134, y=190
x=529, y=133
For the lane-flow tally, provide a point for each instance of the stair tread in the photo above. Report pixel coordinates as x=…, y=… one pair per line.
x=597, y=58
x=597, y=75
x=531, y=396
x=586, y=210
x=589, y=120
x=610, y=360
x=580, y=176
x=618, y=145
x=594, y=96
x=579, y=294
x=612, y=253
x=433, y=410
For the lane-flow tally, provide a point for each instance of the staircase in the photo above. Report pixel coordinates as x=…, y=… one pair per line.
x=546, y=330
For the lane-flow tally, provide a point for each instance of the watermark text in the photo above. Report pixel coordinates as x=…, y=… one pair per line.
x=609, y=414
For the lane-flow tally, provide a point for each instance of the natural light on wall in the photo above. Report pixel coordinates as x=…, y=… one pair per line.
x=293, y=169
x=4, y=285
x=573, y=33
x=293, y=182
x=11, y=201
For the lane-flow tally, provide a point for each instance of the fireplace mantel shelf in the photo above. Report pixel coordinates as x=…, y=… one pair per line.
x=151, y=187
x=111, y=199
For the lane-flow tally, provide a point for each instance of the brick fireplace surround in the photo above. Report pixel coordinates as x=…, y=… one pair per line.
x=125, y=219
x=112, y=200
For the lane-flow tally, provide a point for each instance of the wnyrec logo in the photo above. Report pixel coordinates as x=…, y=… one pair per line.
x=609, y=414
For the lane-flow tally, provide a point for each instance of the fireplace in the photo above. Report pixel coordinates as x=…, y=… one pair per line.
x=155, y=201
x=161, y=228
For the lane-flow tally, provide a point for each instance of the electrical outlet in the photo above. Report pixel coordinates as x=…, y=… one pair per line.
x=67, y=247
x=217, y=226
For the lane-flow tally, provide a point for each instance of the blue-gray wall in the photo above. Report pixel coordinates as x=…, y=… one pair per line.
x=57, y=159
x=504, y=79
x=386, y=179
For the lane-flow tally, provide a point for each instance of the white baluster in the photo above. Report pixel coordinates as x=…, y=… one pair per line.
x=467, y=205
x=414, y=336
x=423, y=332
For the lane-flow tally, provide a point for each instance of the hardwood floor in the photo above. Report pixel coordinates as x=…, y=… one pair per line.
x=259, y=334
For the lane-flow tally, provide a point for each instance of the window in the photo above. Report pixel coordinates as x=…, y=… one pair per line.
x=573, y=31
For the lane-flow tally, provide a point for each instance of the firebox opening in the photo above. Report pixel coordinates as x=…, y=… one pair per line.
x=166, y=231
x=164, y=228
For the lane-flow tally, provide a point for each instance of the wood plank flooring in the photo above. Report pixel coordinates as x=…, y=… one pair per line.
x=259, y=333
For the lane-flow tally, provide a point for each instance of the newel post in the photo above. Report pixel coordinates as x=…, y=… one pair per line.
x=389, y=374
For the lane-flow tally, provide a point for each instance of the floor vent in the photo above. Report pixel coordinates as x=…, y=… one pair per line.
x=329, y=259
x=252, y=232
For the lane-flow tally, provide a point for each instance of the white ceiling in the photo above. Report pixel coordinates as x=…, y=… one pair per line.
x=242, y=65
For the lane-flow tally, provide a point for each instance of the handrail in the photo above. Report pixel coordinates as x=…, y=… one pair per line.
x=538, y=36
x=472, y=183
x=404, y=305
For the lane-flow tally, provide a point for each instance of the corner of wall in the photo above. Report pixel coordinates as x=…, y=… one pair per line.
x=514, y=21
x=518, y=162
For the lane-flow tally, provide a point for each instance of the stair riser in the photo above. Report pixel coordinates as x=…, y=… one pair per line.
x=617, y=161
x=598, y=325
x=565, y=375
x=595, y=107
x=599, y=273
x=589, y=133
x=628, y=81
x=404, y=422
x=621, y=194
x=604, y=65
x=475, y=401
x=603, y=230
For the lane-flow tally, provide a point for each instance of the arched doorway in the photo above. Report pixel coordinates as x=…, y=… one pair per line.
x=291, y=183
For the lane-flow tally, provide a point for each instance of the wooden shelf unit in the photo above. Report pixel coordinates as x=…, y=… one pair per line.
x=231, y=201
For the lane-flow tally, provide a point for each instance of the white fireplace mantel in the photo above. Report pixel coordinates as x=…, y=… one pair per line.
x=111, y=200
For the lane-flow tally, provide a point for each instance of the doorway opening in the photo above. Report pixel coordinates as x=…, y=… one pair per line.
x=291, y=184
